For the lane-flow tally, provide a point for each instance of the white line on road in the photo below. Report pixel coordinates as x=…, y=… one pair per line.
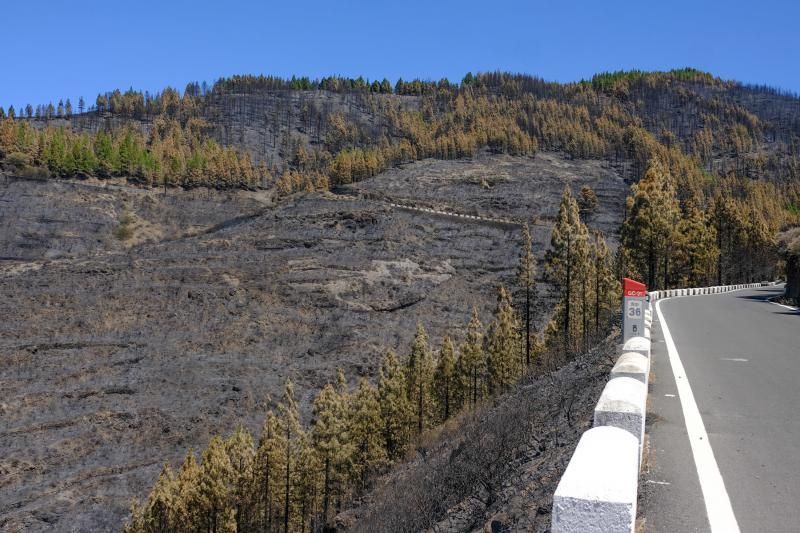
x=654, y=482
x=718, y=504
x=734, y=359
x=782, y=305
x=669, y=395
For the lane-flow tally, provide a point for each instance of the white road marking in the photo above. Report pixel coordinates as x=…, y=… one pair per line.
x=669, y=395
x=734, y=359
x=654, y=482
x=718, y=504
x=784, y=306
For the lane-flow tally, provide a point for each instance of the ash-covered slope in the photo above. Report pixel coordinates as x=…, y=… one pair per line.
x=497, y=468
x=120, y=351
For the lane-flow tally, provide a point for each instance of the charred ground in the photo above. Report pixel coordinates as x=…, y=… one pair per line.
x=123, y=350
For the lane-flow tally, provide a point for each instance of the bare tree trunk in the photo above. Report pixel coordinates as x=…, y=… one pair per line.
x=528, y=324
x=288, y=463
x=569, y=296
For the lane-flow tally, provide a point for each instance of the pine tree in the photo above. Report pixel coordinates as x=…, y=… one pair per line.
x=241, y=455
x=566, y=263
x=587, y=202
x=308, y=482
x=396, y=410
x=215, y=487
x=471, y=364
x=606, y=286
x=81, y=105
x=649, y=230
x=158, y=513
x=328, y=427
x=292, y=435
x=368, y=451
x=419, y=379
x=187, y=494
x=697, y=251
x=503, y=347
x=268, y=460
x=526, y=279
x=586, y=276
x=444, y=380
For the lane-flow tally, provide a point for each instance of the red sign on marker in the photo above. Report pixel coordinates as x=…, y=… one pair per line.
x=633, y=288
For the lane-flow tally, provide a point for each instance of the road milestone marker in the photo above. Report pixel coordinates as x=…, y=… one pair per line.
x=634, y=302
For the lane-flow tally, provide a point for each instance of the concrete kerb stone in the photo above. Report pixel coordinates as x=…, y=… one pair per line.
x=582, y=501
x=631, y=365
x=639, y=345
x=622, y=404
x=597, y=492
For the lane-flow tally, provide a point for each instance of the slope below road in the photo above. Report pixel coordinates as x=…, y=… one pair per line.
x=739, y=353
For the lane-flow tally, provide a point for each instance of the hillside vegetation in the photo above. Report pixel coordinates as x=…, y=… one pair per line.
x=728, y=153
x=219, y=255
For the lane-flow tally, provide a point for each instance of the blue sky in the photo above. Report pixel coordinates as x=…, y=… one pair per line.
x=60, y=48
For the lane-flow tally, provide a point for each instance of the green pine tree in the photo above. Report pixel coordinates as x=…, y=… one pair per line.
x=292, y=438
x=566, y=266
x=419, y=379
x=526, y=279
x=241, y=454
x=444, y=380
x=396, y=411
x=364, y=416
x=216, y=479
x=471, y=364
x=649, y=229
x=327, y=434
x=268, y=460
x=503, y=345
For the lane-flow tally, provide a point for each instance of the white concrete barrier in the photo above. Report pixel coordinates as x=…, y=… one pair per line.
x=597, y=492
x=622, y=405
x=632, y=365
x=638, y=345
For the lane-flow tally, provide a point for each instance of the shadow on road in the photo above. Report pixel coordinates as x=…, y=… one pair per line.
x=765, y=296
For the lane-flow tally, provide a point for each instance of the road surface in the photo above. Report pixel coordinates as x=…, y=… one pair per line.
x=737, y=358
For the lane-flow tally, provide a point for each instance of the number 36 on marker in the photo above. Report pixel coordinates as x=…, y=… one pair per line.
x=634, y=309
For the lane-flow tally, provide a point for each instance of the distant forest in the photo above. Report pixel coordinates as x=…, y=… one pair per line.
x=719, y=161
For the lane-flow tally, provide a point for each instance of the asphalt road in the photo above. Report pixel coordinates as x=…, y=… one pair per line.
x=741, y=357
